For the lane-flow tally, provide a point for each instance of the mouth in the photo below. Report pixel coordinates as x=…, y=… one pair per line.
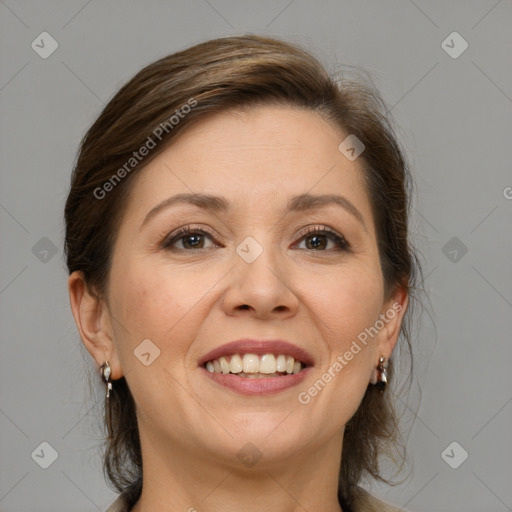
x=257, y=367
x=252, y=366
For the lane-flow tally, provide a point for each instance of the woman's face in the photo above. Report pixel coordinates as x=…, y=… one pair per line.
x=252, y=267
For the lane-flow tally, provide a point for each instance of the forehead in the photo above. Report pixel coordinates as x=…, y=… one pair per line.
x=255, y=157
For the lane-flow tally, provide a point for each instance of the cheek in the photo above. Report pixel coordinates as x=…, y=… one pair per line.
x=156, y=301
x=348, y=303
x=145, y=305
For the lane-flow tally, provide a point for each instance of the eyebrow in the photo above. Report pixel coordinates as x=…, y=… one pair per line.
x=305, y=202
x=300, y=203
x=204, y=201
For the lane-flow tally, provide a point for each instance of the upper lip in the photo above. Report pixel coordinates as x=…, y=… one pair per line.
x=259, y=347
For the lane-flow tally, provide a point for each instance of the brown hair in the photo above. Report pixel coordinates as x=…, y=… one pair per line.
x=213, y=76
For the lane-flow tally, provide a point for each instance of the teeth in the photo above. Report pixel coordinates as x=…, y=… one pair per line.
x=235, y=365
x=289, y=364
x=257, y=375
x=224, y=365
x=268, y=364
x=251, y=363
x=281, y=363
x=253, y=366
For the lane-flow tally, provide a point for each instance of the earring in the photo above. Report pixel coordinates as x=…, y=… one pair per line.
x=105, y=375
x=382, y=374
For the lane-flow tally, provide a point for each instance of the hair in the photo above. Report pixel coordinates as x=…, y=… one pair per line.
x=156, y=105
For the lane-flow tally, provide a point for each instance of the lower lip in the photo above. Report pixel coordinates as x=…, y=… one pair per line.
x=260, y=386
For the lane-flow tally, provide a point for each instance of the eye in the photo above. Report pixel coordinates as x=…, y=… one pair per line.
x=318, y=238
x=189, y=238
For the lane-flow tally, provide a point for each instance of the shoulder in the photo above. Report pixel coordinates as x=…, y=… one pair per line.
x=365, y=502
x=120, y=505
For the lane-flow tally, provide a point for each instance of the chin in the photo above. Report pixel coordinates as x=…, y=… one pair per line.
x=270, y=432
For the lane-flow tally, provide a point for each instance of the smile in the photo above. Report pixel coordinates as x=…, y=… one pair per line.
x=252, y=366
x=257, y=367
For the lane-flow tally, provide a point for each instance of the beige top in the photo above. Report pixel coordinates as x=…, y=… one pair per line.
x=364, y=502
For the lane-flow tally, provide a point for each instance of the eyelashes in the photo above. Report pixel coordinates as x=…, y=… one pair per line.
x=194, y=239
x=316, y=232
x=187, y=232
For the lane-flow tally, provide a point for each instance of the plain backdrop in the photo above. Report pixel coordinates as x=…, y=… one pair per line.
x=453, y=107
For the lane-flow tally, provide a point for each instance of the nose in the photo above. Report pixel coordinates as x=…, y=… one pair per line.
x=261, y=289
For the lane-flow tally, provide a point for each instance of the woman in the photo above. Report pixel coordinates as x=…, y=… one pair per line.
x=236, y=237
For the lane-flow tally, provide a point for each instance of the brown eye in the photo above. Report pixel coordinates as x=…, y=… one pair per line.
x=318, y=239
x=189, y=239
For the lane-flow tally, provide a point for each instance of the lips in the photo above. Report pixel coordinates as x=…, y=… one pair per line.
x=268, y=384
x=255, y=387
x=259, y=347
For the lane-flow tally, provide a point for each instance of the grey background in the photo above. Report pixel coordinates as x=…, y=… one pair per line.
x=455, y=122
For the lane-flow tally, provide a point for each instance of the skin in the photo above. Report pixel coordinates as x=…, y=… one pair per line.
x=190, y=301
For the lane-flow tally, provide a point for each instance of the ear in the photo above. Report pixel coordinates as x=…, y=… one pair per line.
x=392, y=314
x=93, y=320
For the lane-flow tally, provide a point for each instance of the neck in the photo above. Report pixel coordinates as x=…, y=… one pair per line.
x=176, y=478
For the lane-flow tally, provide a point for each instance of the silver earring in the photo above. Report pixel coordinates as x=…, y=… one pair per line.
x=105, y=375
x=382, y=374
